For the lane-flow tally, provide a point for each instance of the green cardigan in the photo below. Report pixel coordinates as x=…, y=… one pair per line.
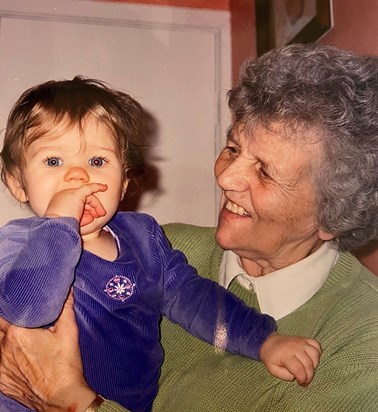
x=343, y=316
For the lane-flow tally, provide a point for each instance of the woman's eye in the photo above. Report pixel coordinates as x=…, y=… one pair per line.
x=97, y=161
x=231, y=150
x=53, y=161
x=263, y=174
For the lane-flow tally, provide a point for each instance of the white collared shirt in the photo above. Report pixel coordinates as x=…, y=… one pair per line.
x=281, y=292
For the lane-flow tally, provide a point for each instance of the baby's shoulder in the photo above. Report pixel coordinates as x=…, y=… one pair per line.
x=17, y=226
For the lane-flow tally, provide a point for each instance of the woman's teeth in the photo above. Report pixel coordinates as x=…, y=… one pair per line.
x=234, y=208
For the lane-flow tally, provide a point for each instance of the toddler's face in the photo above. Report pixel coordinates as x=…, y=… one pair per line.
x=67, y=158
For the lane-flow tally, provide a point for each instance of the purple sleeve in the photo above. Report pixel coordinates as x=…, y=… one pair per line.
x=37, y=261
x=207, y=310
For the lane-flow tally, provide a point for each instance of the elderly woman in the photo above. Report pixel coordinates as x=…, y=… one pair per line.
x=299, y=191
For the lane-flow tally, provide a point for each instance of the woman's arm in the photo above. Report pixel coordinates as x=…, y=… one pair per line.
x=42, y=369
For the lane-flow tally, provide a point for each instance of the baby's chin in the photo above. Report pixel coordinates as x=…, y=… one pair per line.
x=88, y=218
x=90, y=225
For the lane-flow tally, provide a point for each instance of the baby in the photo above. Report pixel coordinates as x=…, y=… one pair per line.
x=70, y=150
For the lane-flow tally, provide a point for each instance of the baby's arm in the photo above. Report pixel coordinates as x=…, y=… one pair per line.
x=215, y=315
x=37, y=261
x=38, y=256
x=242, y=330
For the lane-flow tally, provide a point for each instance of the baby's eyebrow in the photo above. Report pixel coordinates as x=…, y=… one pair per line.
x=42, y=149
x=105, y=148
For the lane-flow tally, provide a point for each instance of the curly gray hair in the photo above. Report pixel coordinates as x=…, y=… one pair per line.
x=334, y=93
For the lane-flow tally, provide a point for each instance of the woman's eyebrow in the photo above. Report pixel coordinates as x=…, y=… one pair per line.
x=231, y=135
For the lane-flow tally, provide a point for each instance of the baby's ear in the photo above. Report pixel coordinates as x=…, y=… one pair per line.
x=16, y=187
x=124, y=187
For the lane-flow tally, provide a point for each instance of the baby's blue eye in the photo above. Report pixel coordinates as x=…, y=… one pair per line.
x=53, y=161
x=97, y=161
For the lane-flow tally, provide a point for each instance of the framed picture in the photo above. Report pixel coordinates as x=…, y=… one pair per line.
x=282, y=22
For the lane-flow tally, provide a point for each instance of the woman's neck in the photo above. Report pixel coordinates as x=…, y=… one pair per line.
x=260, y=267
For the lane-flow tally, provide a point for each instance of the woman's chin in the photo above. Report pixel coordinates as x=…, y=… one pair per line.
x=224, y=238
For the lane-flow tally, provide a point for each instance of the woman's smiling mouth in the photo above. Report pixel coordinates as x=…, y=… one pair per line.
x=234, y=208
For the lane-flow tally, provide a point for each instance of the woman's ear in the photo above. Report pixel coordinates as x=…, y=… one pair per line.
x=16, y=187
x=325, y=235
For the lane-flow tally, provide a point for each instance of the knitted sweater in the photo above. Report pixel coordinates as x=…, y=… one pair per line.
x=118, y=304
x=342, y=315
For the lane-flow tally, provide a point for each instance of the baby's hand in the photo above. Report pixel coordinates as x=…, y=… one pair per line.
x=291, y=357
x=80, y=203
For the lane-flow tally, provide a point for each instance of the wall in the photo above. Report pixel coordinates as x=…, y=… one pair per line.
x=355, y=29
x=144, y=51
x=243, y=32
x=242, y=15
x=355, y=26
x=198, y=4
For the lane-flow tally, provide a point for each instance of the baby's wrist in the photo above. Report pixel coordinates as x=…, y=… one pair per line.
x=51, y=216
x=266, y=344
x=55, y=216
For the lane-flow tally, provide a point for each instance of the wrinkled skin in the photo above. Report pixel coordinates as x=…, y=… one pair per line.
x=58, y=386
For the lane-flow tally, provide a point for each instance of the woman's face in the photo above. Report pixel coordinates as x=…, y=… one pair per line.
x=268, y=207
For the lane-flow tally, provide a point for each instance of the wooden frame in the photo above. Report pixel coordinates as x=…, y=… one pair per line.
x=282, y=22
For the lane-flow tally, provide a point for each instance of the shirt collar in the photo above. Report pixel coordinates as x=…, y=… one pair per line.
x=115, y=236
x=283, y=291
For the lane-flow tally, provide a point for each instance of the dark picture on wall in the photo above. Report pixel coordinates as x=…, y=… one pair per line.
x=282, y=22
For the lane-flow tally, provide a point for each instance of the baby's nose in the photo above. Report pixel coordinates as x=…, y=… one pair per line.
x=76, y=173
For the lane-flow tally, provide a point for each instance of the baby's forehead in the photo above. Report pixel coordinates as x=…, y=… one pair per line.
x=71, y=140
x=54, y=128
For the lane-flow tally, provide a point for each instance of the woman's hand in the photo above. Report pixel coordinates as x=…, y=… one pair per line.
x=41, y=368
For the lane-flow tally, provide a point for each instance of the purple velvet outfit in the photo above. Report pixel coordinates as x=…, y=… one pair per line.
x=118, y=304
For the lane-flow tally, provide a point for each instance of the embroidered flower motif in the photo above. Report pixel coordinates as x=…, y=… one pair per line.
x=119, y=288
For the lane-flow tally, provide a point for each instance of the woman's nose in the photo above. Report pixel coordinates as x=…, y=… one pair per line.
x=231, y=175
x=76, y=173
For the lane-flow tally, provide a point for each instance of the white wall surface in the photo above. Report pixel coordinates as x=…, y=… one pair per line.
x=175, y=62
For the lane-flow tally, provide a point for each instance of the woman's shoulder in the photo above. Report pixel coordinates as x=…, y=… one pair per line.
x=350, y=300
x=357, y=276
x=185, y=235
x=199, y=246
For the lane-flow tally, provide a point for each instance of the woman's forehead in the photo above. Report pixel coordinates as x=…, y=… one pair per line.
x=291, y=132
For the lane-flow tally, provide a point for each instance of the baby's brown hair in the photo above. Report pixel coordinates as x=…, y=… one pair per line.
x=73, y=101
